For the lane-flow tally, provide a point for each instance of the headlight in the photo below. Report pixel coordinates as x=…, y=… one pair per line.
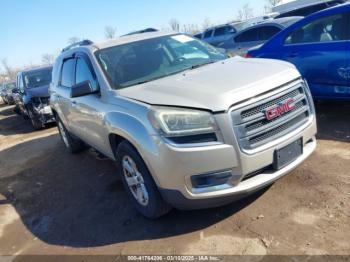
x=181, y=121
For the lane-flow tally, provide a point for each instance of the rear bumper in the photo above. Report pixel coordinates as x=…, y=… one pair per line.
x=243, y=189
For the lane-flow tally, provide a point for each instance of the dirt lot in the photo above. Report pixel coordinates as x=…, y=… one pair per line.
x=52, y=202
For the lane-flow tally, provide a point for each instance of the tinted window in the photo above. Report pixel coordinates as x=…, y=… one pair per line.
x=67, y=73
x=327, y=29
x=208, y=34
x=266, y=32
x=224, y=30
x=199, y=36
x=83, y=73
x=248, y=36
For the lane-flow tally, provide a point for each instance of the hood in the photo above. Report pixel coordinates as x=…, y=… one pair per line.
x=42, y=91
x=217, y=86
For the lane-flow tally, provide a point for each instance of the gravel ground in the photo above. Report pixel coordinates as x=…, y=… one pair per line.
x=52, y=202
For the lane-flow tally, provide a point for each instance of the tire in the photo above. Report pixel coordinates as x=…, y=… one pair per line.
x=73, y=144
x=36, y=123
x=17, y=110
x=151, y=204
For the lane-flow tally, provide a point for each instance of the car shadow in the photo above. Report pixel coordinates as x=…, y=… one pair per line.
x=333, y=120
x=14, y=124
x=79, y=201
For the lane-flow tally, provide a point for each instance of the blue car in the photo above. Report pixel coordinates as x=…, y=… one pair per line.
x=319, y=46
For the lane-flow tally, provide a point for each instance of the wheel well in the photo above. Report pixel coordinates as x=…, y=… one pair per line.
x=54, y=113
x=114, y=141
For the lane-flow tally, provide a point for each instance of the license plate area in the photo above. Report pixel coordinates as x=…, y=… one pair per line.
x=288, y=154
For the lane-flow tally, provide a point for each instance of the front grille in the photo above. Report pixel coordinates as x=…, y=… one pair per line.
x=253, y=129
x=45, y=100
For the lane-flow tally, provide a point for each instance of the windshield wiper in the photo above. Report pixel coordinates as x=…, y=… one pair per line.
x=203, y=64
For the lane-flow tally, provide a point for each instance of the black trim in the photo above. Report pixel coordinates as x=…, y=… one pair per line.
x=194, y=139
x=176, y=199
x=210, y=179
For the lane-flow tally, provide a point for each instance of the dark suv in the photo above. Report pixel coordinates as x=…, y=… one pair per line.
x=33, y=98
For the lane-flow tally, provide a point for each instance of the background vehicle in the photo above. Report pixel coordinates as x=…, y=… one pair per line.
x=319, y=46
x=187, y=128
x=6, y=92
x=256, y=35
x=219, y=34
x=303, y=7
x=33, y=97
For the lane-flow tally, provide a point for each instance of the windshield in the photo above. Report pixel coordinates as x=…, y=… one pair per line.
x=151, y=59
x=10, y=86
x=37, y=78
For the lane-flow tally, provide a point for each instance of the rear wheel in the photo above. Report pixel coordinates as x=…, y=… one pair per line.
x=73, y=144
x=139, y=183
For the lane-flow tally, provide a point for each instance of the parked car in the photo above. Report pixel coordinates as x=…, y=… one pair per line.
x=146, y=30
x=319, y=46
x=33, y=97
x=185, y=125
x=6, y=92
x=256, y=35
x=219, y=34
x=303, y=7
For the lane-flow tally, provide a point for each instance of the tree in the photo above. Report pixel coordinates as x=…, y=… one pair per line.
x=206, y=24
x=269, y=4
x=73, y=40
x=174, y=25
x=9, y=71
x=191, y=29
x=245, y=12
x=47, y=59
x=110, y=32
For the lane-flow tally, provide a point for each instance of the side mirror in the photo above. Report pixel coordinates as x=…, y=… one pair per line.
x=81, y=89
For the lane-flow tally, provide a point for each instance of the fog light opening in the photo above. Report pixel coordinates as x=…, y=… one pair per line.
x=211, y=179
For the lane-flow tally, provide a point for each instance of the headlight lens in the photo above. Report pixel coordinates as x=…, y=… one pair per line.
x=181, y=121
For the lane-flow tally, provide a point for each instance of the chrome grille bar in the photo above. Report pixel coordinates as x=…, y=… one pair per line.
x=253, y=129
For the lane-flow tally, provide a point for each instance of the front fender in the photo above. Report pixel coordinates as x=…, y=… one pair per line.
x=134, y=131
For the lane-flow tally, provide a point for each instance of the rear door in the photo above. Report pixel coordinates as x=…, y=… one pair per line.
x=321, y=51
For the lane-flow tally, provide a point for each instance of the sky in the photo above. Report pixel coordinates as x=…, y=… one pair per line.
x=31, y=28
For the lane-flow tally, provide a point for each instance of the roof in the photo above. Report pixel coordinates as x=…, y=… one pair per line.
x=146, y=30
x=289, y=5
x=39, y=68
x=283, y=22
x=131, y=38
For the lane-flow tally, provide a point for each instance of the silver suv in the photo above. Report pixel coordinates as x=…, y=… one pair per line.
x=187, y=126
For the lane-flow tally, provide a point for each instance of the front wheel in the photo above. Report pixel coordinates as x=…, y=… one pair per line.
x=34, y=119
x=139, y=183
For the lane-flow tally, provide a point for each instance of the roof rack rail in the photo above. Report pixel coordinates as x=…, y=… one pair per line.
x=81, y=43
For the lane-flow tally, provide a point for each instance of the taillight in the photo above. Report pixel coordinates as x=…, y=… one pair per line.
x=247, y=55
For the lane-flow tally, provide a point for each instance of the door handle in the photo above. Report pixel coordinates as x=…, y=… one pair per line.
x=74, y=103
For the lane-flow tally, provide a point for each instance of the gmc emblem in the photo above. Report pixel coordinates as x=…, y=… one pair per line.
x=280, y=109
